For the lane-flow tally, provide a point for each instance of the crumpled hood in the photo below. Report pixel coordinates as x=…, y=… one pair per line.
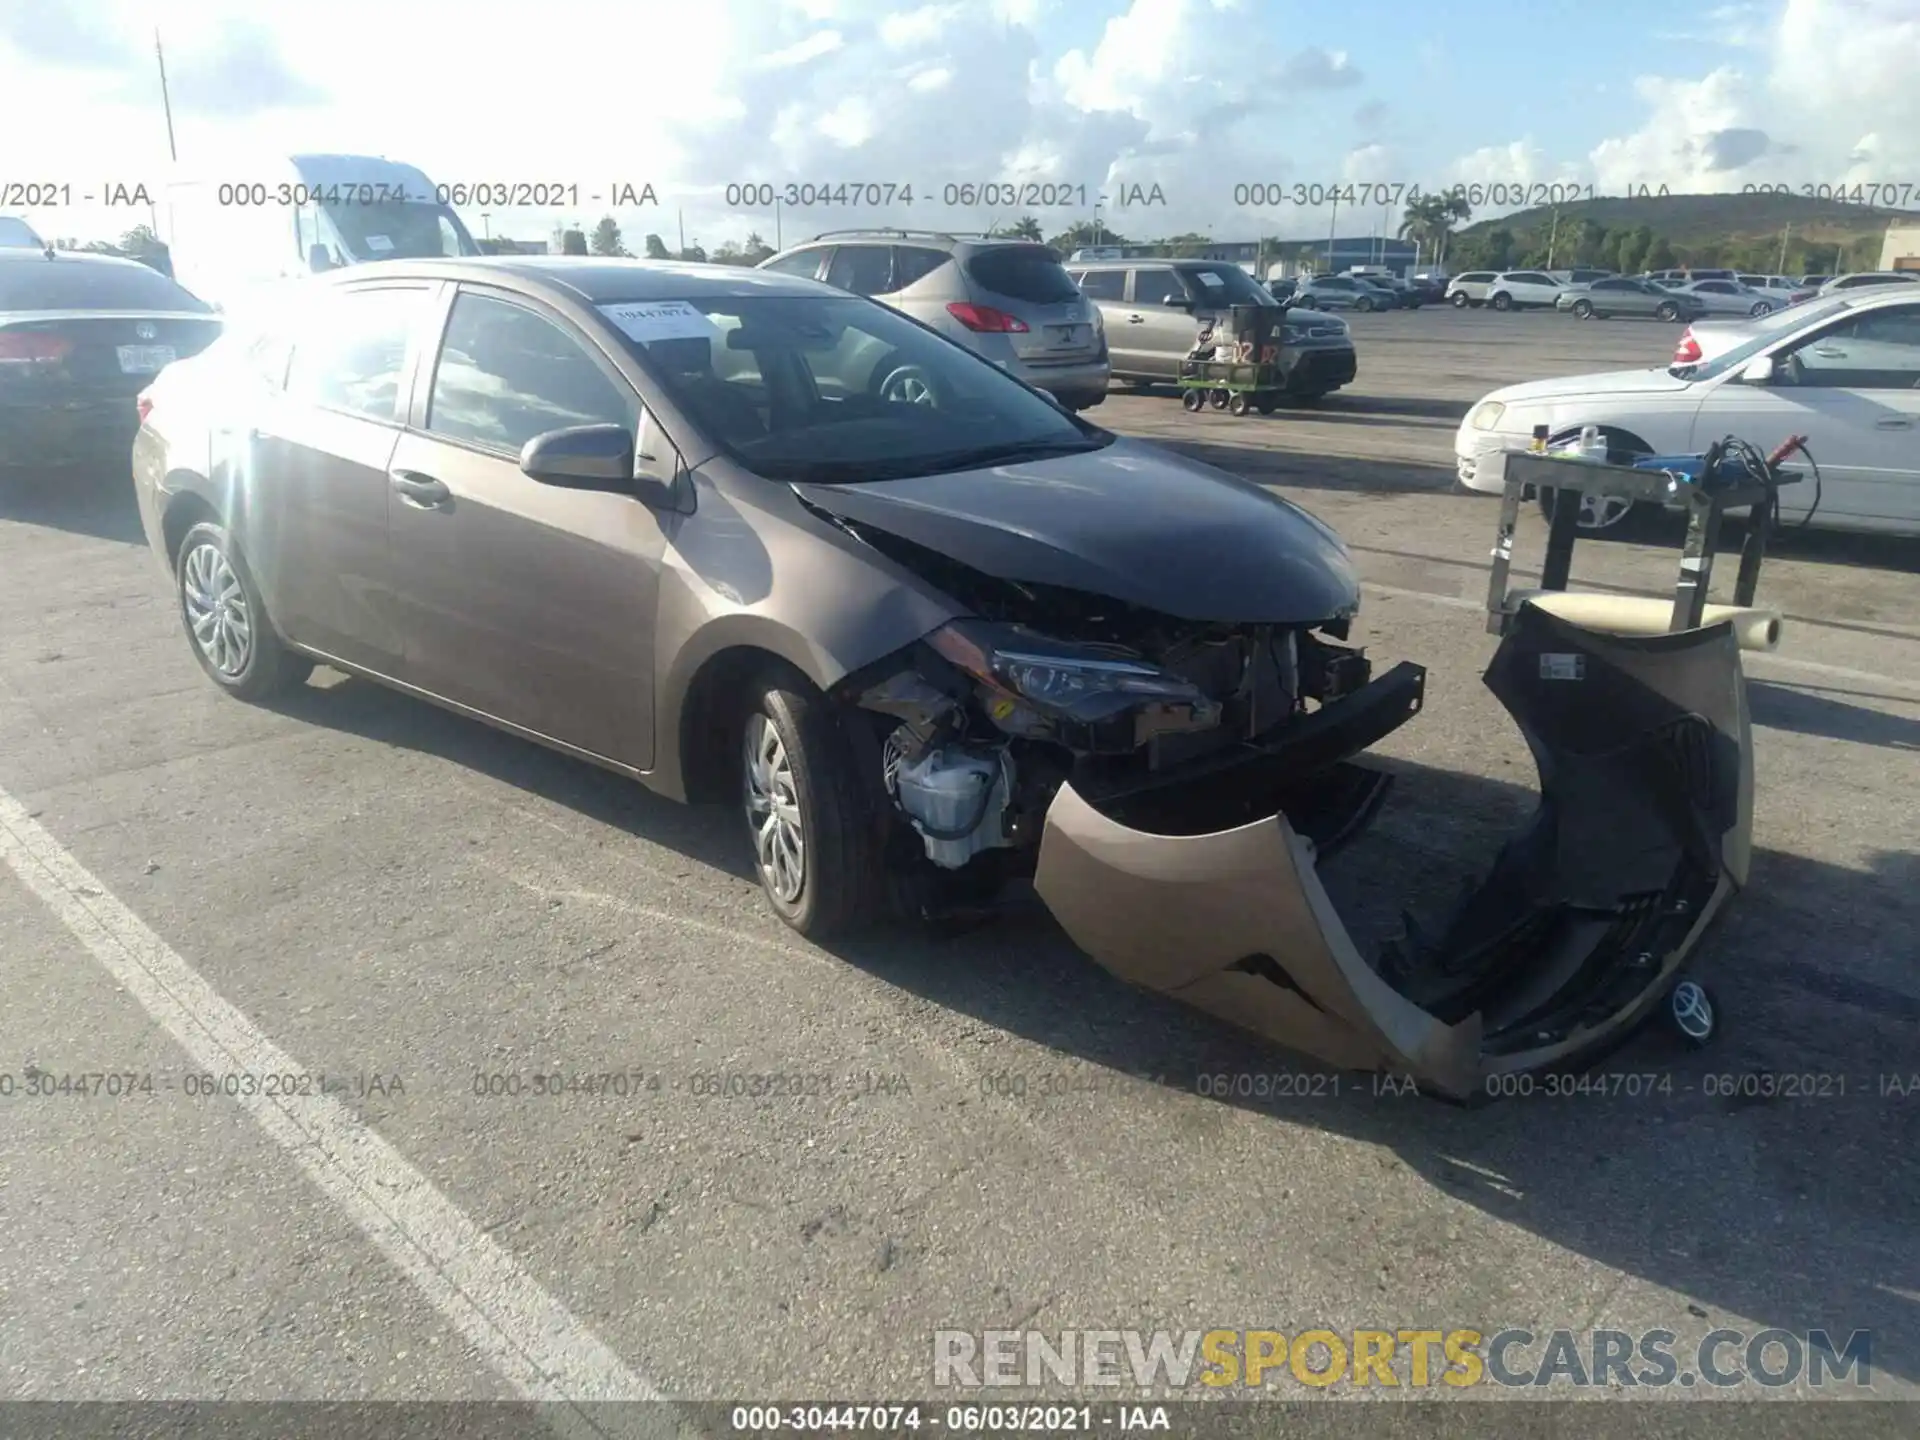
x=1606, y=382
x=1130, y=522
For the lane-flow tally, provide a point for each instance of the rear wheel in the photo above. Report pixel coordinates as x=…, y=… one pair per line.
x=226, y=619
x=1363, y=304
x=1239, y=404
x=1218, y=399
x=809, y=815
x=1583, y=309
x=1760, y=308
x=1193, y=399
x=1668, y=311
x=1503, y=301
x=1266, y=404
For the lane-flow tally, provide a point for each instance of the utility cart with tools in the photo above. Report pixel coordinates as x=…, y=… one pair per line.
x=1235, y=362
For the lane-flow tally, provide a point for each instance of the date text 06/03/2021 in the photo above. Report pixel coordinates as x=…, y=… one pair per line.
x=906, y=1418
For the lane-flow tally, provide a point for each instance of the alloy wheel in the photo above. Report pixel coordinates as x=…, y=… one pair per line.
x=773, y=811
x=217, y=612
x=907, y=386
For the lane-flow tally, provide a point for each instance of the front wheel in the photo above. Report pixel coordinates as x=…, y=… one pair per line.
x=1460, y=301
x=809, y=818
x=1503, y=301
x=226, y=619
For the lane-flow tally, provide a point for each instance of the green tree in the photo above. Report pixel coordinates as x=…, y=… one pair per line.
x=1660, y=255
x=756, y=249
x=606, y=237
x=1085, y=233
x=693, y=254
x=1634, y=248
x=657, y=248
x=573, y=242
x=1025, y=228
x=1500, y=248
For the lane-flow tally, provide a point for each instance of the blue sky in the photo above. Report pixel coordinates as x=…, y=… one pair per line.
x=1192, y=95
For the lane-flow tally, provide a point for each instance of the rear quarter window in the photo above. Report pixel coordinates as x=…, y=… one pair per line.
x=1031, y=273
x=70, y=284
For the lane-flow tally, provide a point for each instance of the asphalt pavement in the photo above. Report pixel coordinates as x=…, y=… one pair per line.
x=402, y=911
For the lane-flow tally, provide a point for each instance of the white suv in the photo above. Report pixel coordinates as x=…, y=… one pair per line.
x=1469, y=288
x=1523, y=289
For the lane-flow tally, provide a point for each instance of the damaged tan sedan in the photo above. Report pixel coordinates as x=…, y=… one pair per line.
x=742, y=537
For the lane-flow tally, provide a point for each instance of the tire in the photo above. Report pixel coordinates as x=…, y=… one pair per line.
x=1618, y=523
x=798, y=755
x=1266, y=404
x=226, y=621
x=1460, y=300
x=1502, y=301
x=1218, y=399
x=1363, y=305
x=1667, y=311
x=1193, y=399
x=1760, y=308
x=1238, y=405
x=1583, y=309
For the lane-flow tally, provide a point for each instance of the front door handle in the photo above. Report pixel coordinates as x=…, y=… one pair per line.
x=1893, y=422
x=421, y=491
x=1136, y=319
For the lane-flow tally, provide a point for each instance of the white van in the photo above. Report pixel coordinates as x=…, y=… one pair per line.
x=232, y=232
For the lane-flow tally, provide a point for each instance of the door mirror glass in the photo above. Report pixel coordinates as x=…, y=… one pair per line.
x=584, y=457
x=1758, y=372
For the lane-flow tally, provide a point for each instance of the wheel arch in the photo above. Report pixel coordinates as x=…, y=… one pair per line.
x=185, y=508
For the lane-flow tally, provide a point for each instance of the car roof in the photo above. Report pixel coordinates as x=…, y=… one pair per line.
x=28, y=255
x=595, y=279
x=1159, y=262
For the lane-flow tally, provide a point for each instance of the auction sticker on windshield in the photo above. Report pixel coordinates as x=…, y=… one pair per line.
x=650, y=320
x=379, y=244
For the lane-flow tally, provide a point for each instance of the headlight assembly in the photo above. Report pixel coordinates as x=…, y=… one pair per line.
x=1080, y=683
x=1487, y=414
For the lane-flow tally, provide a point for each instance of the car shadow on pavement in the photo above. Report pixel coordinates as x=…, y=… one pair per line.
x=1308, y=471
x=1817, y=710
x=1789, y=1211
x=1840, y=547
x=81, y=501
x=361, y=707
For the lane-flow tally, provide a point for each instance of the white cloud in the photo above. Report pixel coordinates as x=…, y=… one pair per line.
x=924, y=26
x=822, y=43
x=1832, y=97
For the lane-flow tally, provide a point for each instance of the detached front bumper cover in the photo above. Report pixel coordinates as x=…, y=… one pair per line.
x=1641, y=835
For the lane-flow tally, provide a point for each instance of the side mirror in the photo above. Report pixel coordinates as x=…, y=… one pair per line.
x=319, y=260
x=1758, y=372
x=1177, y=302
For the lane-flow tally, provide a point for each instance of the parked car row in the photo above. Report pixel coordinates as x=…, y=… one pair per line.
x=1843, y=370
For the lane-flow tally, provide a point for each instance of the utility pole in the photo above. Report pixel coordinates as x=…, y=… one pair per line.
x=1332, y=223
x=486, y=225
x=1785, y=231
x=681, y=217
x=778, y=243
x=166, y=100
x=1553, y=236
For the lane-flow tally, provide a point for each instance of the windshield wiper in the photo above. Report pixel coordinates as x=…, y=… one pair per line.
x=985, y=455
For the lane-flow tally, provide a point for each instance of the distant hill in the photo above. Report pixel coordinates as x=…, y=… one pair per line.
x=1686, y=220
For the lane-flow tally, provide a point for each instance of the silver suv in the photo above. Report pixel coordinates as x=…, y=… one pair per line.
x=1009, y=301
x=1153, y=309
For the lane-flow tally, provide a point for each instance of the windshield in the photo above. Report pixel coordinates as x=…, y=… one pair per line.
x=1228, y=285
x=1766, y=333
x=837, y=388
x=400, y=230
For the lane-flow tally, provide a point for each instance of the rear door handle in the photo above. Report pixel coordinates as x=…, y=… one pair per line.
x=1136, y=319
x=1893, y=422
x=421, y=491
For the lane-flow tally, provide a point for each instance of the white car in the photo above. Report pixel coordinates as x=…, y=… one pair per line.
x=1845, y=374
x=1706, y=339
x=1866, y=279
x=1730, y=297
x=1523, y=289
x=1773, y=286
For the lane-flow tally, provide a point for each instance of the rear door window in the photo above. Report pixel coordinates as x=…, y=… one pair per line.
x=862, y=269
x=804, y=263
x=1104, y=284
x=351, y=351
x=912, y=263
x=1031, y=273
x=1152, y=287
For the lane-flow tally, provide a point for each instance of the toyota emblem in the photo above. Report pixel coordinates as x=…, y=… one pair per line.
x=145, y=330
x=1692, y=1011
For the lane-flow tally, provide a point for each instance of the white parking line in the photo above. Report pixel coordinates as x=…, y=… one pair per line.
x=1791, y=662
x=522, y=1330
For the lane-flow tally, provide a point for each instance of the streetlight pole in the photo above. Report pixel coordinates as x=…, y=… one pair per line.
x=1331, y=224
x=166, y=100
x=486, y=225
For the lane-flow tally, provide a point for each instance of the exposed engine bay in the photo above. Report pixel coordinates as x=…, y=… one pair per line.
x=995, y=713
